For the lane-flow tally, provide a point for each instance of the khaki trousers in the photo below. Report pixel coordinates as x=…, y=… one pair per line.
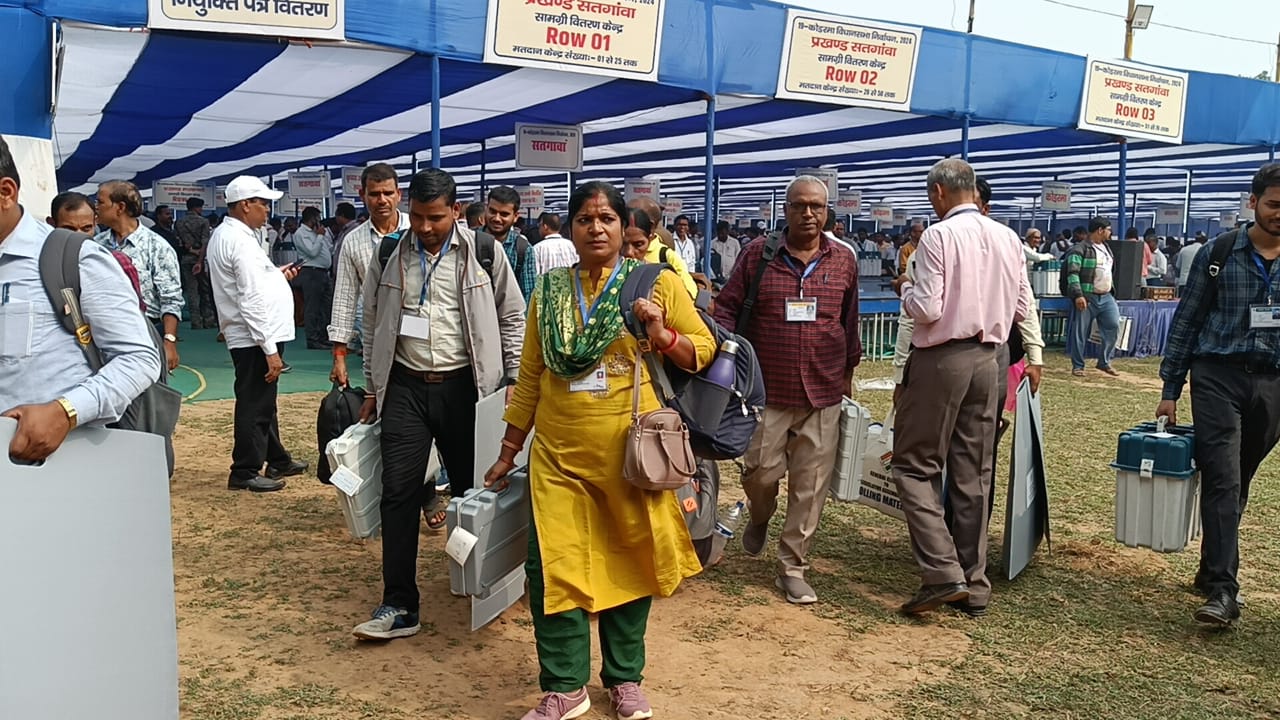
x=947, y=417
x=801, y=444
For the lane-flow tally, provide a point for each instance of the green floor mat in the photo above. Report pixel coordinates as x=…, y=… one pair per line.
x=205, y=371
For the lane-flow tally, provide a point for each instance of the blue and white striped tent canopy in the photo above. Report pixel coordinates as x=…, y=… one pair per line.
x=155, y=105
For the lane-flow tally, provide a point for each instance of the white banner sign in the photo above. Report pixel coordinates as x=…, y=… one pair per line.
x=1169, y=215
x=351, y=182
x=1228, y=219
x=833, y=59
x=637, y=188
x=322, y=19
x=849, y=202
x=532, y=197
x=220, y=197
x=1136, y=101
x=549, y=147
x=1055, y=196
x=882, y=213
x=309, y=185
x=672, y=206
x=829, y=176
x=619, y=38
x=1246, y=212
x=731, y=219
x=766, y=209
x=900, y=218
x=174, y=193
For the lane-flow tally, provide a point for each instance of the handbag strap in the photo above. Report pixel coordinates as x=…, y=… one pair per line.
x=635, y=387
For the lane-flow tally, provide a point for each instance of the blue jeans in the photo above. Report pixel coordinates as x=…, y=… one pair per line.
x=1104, y=309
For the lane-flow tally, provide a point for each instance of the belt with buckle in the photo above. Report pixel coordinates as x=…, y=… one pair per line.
x=1250, y=364
x=430, y=376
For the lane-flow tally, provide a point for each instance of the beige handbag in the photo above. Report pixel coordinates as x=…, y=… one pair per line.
x=658, y=456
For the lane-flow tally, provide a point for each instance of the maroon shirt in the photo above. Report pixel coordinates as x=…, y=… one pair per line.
x=805, y=364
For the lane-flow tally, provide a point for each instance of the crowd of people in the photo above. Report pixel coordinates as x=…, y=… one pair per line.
x=449, y=302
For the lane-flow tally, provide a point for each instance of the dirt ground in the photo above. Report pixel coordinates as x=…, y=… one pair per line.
x=269, y=586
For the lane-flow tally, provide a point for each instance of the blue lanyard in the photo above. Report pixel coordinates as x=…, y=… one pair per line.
x=582, y=302
x=808, y=270
x=426, y=274
x=965, y=211
x=1267, y=278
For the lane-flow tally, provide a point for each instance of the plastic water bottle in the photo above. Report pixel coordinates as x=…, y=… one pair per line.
x=723, y=369
x=726, y=527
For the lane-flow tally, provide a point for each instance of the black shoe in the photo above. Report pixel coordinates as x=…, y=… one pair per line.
x=320, y=346
x=287, y=368
x=256, y=483
x=968, y=608
x=754, y=538
x=1201, y=588
x=1220, y=611
x=930, y=597
x=293, y=468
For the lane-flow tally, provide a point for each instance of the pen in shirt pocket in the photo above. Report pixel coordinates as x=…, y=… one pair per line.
x=5, y=300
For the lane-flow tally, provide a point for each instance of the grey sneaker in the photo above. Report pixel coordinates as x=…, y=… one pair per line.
x=754, y=538
x=798, y=591
x=388, y=623
x=628, y=702
x=561, y=706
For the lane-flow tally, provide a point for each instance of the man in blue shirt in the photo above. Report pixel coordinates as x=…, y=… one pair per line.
x=45, y=382
x=1226, y=332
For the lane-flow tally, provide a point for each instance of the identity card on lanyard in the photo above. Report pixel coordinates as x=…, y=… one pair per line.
x=802, y=309
x=597, y=380
x=413, y=323
x=1264, y=316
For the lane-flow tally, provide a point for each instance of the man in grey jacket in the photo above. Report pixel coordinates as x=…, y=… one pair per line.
x=441, y=332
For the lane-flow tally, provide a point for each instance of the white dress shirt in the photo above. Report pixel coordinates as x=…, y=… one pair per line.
x=555, y=251
x=255, y=304
x=688, y=249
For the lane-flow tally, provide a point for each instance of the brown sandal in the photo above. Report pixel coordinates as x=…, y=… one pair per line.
x=436, y=520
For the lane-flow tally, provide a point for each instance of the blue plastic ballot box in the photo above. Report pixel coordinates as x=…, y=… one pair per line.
x=1157, y=487
x=89, y=627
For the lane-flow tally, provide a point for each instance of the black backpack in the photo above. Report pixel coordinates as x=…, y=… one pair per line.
x=682, y=391
x=486, y=248
x=1218, y=254
x=339, y=410
x=156, y=410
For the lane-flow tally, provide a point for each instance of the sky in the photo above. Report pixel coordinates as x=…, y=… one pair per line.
x=1252, y=24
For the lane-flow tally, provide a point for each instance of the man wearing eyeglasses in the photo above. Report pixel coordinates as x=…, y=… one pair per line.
x=255, y=313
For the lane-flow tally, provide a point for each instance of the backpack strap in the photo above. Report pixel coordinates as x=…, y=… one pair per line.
x=1218, y=255
x=639, y=284
x=60, y=274
x=753, y=290
x=522, y=250
x=387, y=248
x=486, y=250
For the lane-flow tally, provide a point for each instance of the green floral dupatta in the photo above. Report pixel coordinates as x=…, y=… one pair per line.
x=568, y=349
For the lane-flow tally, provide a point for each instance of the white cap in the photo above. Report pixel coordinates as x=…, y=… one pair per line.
x=246, y=186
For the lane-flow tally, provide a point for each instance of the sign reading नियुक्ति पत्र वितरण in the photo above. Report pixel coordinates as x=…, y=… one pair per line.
x=827, y=58
x=618, y=38
x=1133, y=101
x=318, y=19
x=549, y=147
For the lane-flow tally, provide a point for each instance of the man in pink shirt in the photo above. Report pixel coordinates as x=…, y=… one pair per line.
x=970, y=290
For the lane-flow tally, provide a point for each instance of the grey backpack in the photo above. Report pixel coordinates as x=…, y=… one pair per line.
x=156, y=410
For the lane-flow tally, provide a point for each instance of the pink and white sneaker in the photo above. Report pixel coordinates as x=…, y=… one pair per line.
x=629, y=703
x=562, y=706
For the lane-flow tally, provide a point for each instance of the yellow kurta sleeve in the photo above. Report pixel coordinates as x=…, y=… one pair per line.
x=683, y=317
x=654, y=256
x=524, y=400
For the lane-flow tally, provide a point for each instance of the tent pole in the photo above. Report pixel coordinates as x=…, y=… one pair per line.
x=1186, y=205
x=773, y=210
x=1271, y=151
x=709, y=185
x=1124, y=166
x=964, y=139
x=435, y=112
x=484, y=185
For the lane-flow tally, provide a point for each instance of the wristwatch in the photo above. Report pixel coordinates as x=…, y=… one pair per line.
x=170, y=337
x=72, y=416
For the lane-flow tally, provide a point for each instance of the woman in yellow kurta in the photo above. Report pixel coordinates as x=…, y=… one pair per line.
x=598, y=544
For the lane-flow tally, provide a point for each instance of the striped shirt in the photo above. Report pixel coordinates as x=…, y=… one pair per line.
x=555, y=251
x=157, y=266
x=526, y=266
x=358, y=248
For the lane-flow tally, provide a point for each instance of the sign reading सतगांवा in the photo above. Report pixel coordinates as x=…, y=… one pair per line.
x=832, y=59
x=1135, y=101
x=549, y=147
x=320, y=19
x=619, y=38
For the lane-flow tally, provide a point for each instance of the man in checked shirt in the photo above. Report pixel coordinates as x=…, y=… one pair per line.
x=1226, y=333
x=804, y=328
x=380, y=190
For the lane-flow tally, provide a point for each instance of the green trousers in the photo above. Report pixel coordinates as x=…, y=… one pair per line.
x=564, y=639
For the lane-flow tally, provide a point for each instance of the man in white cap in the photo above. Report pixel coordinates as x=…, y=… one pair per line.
x=255, y=313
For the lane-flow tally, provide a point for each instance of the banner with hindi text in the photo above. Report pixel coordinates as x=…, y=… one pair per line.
x=1134, y=101
x=318, y=19
x=618, y=38
x=833, y=59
